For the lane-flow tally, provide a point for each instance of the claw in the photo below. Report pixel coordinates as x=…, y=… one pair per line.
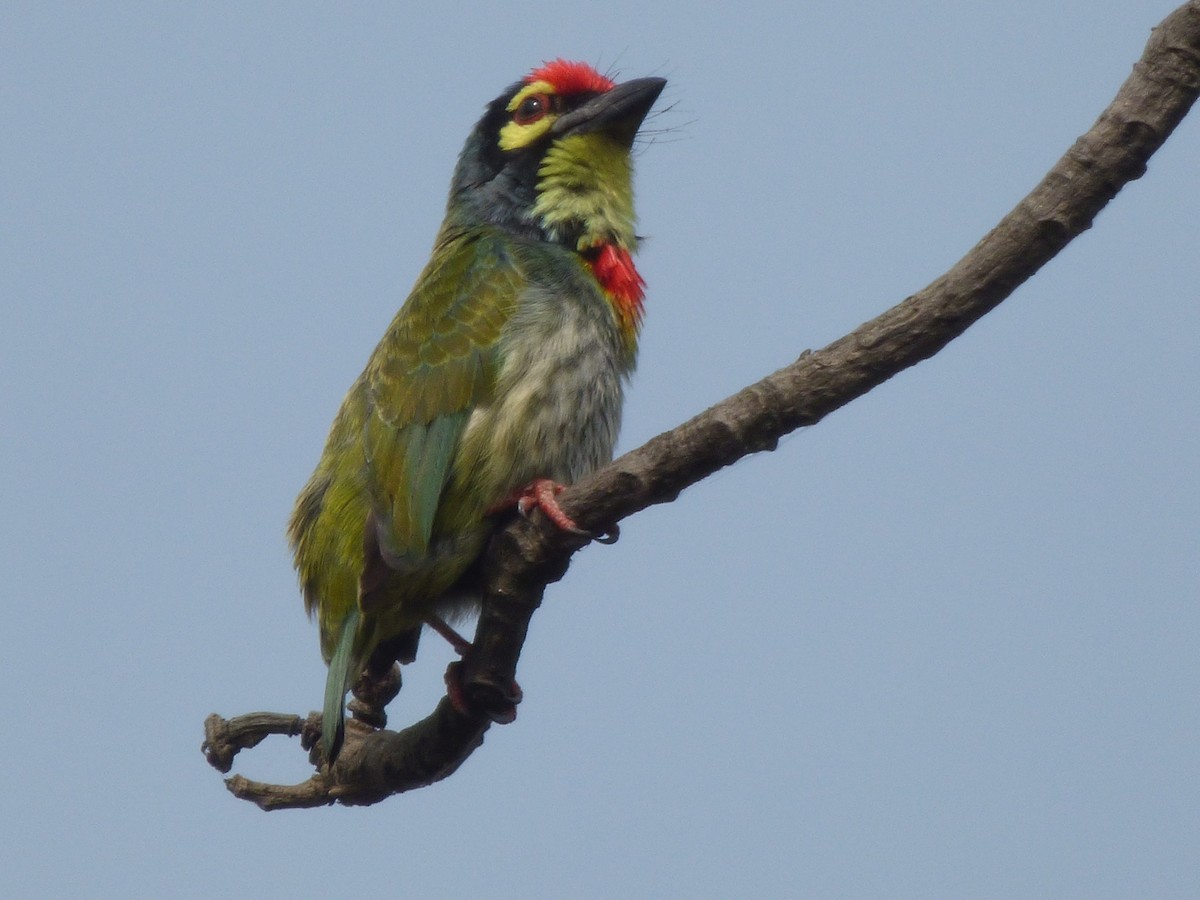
x=611, y=536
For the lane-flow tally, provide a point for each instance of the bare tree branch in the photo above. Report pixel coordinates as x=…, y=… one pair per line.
x=527, y=556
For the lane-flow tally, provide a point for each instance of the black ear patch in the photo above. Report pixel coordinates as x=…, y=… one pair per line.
x=495, y=117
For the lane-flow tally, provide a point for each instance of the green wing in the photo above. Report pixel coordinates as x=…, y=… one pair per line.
x=435, y=364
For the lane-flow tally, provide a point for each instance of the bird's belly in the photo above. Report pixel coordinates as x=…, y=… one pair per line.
x=557, y=408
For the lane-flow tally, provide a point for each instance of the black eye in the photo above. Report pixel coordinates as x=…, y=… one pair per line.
x=531, y=109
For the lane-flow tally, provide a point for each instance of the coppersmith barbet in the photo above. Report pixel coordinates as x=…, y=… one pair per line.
x=501, y=376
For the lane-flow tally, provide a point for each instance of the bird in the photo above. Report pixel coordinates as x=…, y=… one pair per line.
x=500, y=380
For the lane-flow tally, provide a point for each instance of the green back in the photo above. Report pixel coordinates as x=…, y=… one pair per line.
x=436, y=363
x=392, y=446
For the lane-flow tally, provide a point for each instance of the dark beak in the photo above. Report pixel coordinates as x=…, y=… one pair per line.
x=619, y=111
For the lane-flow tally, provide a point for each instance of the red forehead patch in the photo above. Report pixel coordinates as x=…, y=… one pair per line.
x=571, y=77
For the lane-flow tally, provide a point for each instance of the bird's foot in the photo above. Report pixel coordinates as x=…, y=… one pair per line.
x=484, y=695
x=542, y=493
x=496, y=701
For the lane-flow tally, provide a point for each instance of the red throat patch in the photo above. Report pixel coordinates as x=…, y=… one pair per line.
x=614, y=269
x=571, y=77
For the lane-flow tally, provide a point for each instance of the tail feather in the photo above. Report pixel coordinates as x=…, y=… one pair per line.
x=343, y=667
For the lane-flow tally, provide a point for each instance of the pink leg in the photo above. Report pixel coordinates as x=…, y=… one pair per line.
x=542, y=493
x=460, y=644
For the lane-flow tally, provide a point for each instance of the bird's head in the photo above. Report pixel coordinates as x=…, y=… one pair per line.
x=550, y=158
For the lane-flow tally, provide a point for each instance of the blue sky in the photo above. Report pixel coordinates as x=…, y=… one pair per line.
x=940, y=645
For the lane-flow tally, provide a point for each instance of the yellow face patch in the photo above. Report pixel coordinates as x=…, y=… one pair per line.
x=515, y=135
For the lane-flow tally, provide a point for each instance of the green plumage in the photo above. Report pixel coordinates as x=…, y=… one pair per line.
x=505, y=364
